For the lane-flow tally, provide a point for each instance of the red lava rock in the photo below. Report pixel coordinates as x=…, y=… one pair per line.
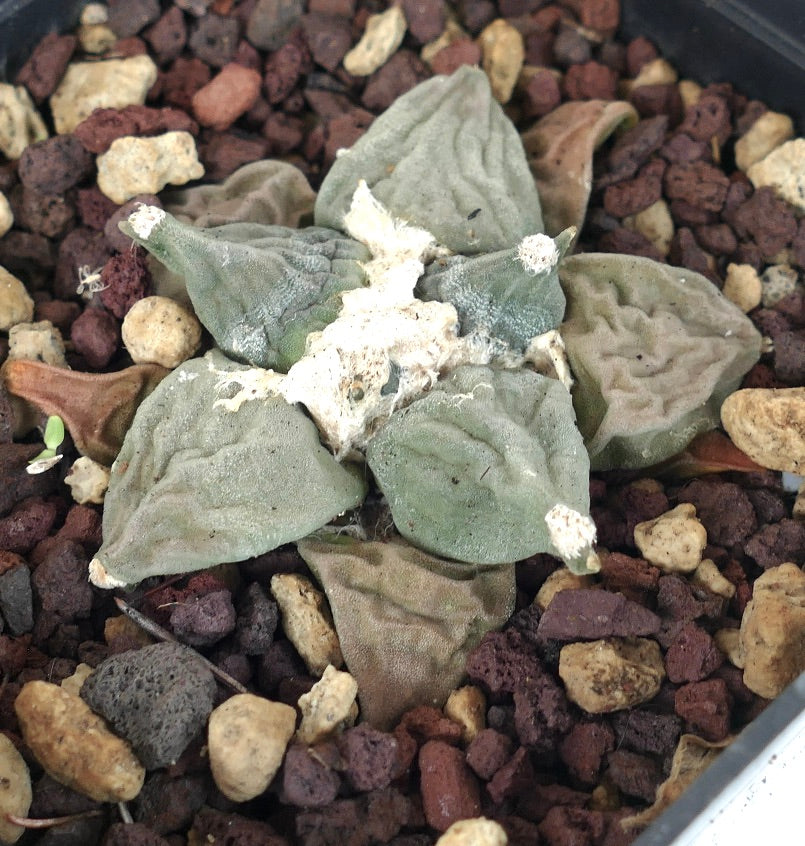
x=211, y=826
x=283, y=70
x=789, y=357
x=708, y=118
x=717, y=238
x=512, y=779
x=13, y=654
x=632, y=149
x=51, y=215
x=29, y=522
x=503, y=662
x=633, y=774
x=541, y=713
x=488, y=752
x=425, y=19
x=83, y=247
x=51, y=799
x=103, y=126
x=94, y=207
x=279, y=661
x=224, y=152
x=600, y=15
x=682, y=601
x=764, y=218
x=268, y=23
x=343, y=131
x=60, y=581
x=449, y=789
x=328, y=37
x=95, y=336
x=682, y=149
x=582, y=750
x=635, y=578
x=660, y=99
x=541, y=94
x=701, y=184
x=684, y=251
x=645, y=731
x=257, y=620
x=128, y=17
x=539, y=48
x=126, y=279
x=226, y=97
x=590, y=81
x=724, y=509
x=622, y=240
x=692, y=656
x=369, y=757
x=54, y=165
x=213, y=39
x=306, y=780
x=169, y=804
x=17, y=483
x=769, y=506
x=706, y=706
x=60, y=313
x=205, y=620
x=181, y=81
x=425, y=723
x=463, y=51
x=639, y=51
x=778, y=543
x=592, y=614
x=133, y=834
x=283, y=132
x=398, y=75
x=634, y=195
x=46, y=65
x=168, y=35
x=567, y=825
x=475, y=14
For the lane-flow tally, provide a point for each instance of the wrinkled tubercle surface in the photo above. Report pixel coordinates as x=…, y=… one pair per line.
x=252, y=284
x=198, y=483
x=654, y=349
x=446, y=158
x=406, y=620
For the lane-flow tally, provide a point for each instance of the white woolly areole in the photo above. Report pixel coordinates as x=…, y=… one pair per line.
x=571, y=533
x=537, y=253
x=100, y=578
x=144, y=219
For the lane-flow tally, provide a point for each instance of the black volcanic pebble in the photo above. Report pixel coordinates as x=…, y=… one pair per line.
x=133, y=834
x=158, y=698
x=169, y=804
x=258, y=616
x=594, y=614
x=60, y=581
x=204, y=620
x=16, y=599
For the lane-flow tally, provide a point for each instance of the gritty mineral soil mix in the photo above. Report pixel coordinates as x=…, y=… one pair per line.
x=574, y=720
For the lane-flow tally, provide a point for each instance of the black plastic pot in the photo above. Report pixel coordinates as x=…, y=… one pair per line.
x=759, y=46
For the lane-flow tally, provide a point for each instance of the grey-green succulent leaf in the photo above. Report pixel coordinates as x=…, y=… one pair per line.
x=196, y=484
x=488, y=468
x=513, y=295
x=259, y=289
x=446, y=158
x=406, y=620
x=654, y=349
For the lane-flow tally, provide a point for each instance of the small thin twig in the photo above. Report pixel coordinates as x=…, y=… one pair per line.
x=157, y=631
x=124, y=812
x=50, y=822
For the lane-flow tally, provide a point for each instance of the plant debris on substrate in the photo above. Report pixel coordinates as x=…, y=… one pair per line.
x=402, y=652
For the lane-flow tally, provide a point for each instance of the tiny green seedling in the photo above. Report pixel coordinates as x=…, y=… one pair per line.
x=53, y=438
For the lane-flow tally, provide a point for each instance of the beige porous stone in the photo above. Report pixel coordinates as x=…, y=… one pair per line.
x=88, y=481
x=561, y=579
x=708, y=575
x=111, y=84
x=158, y=330
x=611, y=674
x=6, y=215
x=39, y=341
x=94, y=13
x=120, y=627
x=329, y=706
x=134, y=166
x=246, y=740
x=784, y=170
x=380, y=40
x=742, y=286
x=74, y=746
x=502, y=56
x=467, y=707
x=477, y=831
x=768, y=424
x=15, y=790
x=20, y=122
x=655, y=72
x=777, y=282
x=654, y=223
x=673, y=541
x=74, y=683
x=16, y=306
x=773, y=631
x=307, y=622
x=767, y=133
x=729, y=642
x=690, y=92
x=452, y=32
x=96, y=38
